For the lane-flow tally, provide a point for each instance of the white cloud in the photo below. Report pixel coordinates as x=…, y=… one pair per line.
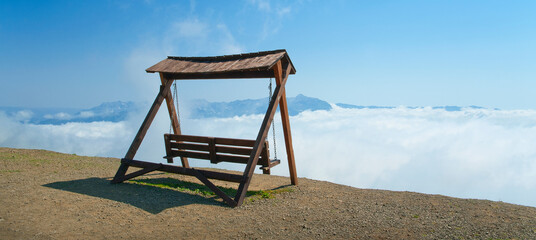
x=87, y=114
x=228, y=43
x=60, y=116
x=262, y=5
x=93, y=139
x=184, y=37
x=473, y=153
x=190, y=28
x=23, y=115
x=284, y=11
x=273, y=14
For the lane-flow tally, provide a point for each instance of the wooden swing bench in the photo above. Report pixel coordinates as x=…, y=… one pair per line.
x=216, y=150
x=269, y=64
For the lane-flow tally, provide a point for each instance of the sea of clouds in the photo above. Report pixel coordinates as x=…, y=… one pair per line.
x=471, y=153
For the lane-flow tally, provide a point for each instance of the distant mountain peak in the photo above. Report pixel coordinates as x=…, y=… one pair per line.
x=296, y=105
x=200, y=108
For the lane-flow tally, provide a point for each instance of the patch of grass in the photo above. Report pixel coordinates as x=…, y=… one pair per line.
x=10, y=171
x=269, y=194
x=39, y=161
x=171, y=183
x=8, y=156
x=200, y=189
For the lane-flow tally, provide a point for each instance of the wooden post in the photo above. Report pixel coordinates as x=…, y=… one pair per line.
x=164, y=90
x=173, y=117
x=286, y=123
x=261, y=137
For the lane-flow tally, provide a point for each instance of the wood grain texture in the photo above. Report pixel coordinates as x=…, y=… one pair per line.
x=246, y=65
x=286, y=125
x=134, y=146
x=261, y=137
x=173, y=118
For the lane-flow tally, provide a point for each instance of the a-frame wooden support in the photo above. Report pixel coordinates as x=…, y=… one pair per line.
x=173, y=117
x=281, y=74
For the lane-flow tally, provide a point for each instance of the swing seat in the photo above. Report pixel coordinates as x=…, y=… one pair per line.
x=216, y=150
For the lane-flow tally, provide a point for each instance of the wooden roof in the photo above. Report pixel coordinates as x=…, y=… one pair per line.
x=245, y=65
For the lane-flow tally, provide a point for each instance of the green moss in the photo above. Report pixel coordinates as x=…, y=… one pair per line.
x=268, y=194
x=199, y=189
x=175, y=184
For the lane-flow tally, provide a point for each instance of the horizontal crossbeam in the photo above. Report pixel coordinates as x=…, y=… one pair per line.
x=181, y=170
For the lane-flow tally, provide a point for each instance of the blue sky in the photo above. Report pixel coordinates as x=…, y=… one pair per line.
x=413, y=53
x=78, y=54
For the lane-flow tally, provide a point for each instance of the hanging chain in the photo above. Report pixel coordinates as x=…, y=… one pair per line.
x=273, y=125
x=175, y=96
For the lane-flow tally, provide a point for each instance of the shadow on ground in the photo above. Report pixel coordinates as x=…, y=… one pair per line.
x=152, y=199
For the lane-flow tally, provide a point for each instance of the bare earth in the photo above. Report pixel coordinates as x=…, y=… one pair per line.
x=48, y=195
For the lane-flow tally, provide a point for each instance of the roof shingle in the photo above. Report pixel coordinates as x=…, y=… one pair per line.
x=246, y=65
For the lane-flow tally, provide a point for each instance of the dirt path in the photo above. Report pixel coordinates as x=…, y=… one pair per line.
x=47, y=195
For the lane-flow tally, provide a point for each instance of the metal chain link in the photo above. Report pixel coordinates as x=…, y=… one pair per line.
x=273, y=120
x=175, y=96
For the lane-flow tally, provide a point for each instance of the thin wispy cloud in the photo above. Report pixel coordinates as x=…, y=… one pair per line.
x=192, y=36
x=262, y=5
x=273, y=14
x=191, y=28
x=188, y=36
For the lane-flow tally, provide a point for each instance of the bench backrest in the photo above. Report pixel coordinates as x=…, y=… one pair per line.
x=214, y=149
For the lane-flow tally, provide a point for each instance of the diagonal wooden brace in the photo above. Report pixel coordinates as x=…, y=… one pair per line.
x=261, y=137
x=134, y=146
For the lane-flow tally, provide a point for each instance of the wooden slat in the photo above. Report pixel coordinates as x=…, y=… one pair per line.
x=202, y=147
x=233, y=159
x=234, y=150
x=206, y=156
x=271, y=164
x=190, y=154
x=235, y=142
x=188, y=146
x=218, y=141
x=189, y=138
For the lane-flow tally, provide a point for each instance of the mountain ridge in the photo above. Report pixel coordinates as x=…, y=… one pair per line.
x=119, y=110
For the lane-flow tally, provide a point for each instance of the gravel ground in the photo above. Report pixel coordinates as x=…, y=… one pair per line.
x=48, y=195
